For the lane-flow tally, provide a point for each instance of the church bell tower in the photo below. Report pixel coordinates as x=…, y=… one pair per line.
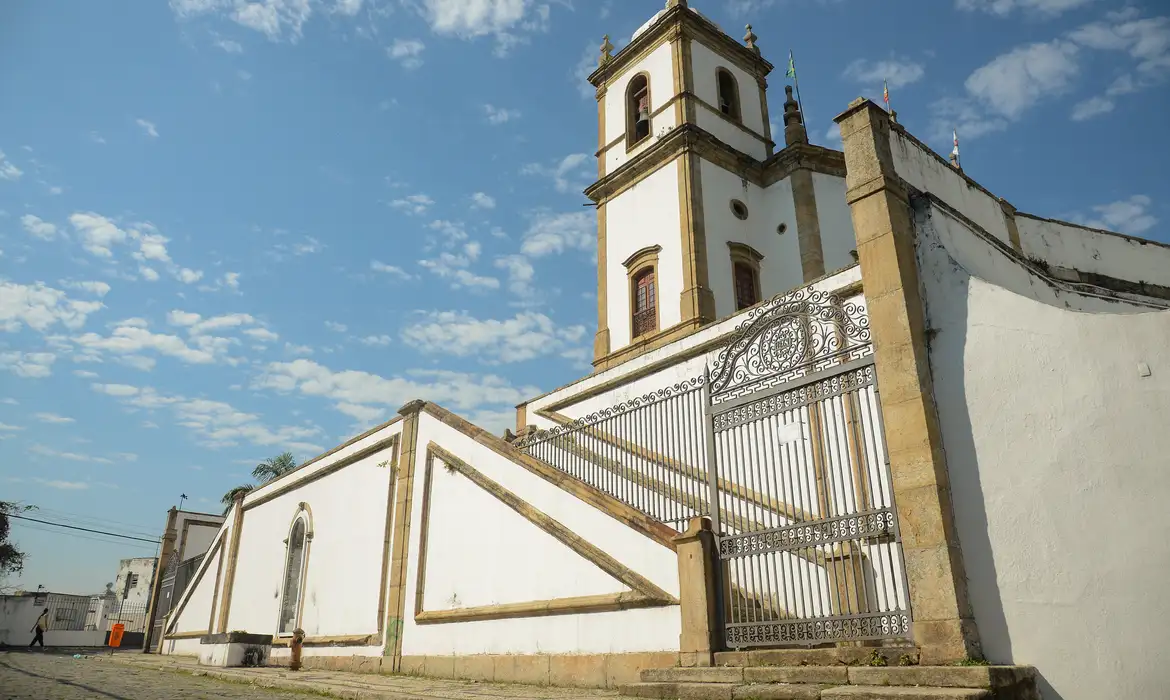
x=681, y=113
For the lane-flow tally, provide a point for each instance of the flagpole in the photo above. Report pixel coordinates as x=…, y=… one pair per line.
x=796, y=84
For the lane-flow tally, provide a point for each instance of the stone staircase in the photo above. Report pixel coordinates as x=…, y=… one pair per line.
x=833, y=674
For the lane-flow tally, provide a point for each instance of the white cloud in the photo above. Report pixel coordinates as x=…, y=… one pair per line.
x=85, y=374
x=391, y=270
x=261, y=334
x=96, y=137
x=348, y=7
x=196, y=324
x=1006, y=7
x=64, y=485
x=454, y=390
x=294, y=349
x=378, y=341
x=520, y=275
x=1126, y=216
x=138, y=362
x=273, y=18
x=98, y=234
x=550, y=233
x=896, y=72
x=1092, y=107
x=453, y=267
x=39, y=228
x=96, y=288
x=833, y=135
x=132, y=338
x=218, y=424
x=413, y=204
x=506, y=20
x=336, y=327
x=30, y=365
x=408, y=52
x=53, y=418
x=5, y=428
x=8, y=170
x=71, y=456
x=1015, y=81
x=41, y=307
x=148, y=273
x=189, y=276
x=147, y=127
x=229, y=281
x=567, y=174
x=500, y=115
x=526, y=336
x=480, y=200
x=584, y=67
x=452, y=233
x=229, y=45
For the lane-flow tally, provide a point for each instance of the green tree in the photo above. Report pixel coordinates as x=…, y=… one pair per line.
x=269, y=469
x=11, y=558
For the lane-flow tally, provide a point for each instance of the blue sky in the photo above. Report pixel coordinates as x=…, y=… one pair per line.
x=229, y=229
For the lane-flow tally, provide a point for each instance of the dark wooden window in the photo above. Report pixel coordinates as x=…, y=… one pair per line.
x=645, y=305
x=638, y=109
x=728, y=94
x=747, y=285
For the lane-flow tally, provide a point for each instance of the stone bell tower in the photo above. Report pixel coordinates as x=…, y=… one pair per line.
x=681, y=111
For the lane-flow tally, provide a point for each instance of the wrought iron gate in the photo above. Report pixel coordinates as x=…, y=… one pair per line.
x=801, y=495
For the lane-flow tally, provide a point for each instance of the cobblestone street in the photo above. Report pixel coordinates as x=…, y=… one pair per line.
x=49, y=676
x=136, y=676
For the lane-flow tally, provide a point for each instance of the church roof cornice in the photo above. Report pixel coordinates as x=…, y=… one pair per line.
x=676, y=21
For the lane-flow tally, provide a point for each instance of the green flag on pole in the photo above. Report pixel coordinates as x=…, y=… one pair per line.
x=791, y=67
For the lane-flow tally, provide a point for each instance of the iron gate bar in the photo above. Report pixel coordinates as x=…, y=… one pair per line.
x=874, y=523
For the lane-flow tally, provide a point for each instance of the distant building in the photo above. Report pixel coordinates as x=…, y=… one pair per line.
x=186, y=539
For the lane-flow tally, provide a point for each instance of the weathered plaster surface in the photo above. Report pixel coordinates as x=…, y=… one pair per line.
x=1052, y=407
x=1078, y=248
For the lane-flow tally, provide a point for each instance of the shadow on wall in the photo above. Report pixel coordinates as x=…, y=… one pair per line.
x=947, y=339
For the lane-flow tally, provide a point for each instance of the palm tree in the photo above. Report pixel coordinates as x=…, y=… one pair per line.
x=269, y=469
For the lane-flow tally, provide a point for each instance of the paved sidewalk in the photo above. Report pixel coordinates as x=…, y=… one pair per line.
x=357, y=686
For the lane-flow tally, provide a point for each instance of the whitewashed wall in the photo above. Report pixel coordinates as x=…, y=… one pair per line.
x=466, y=564
x=838, y=240
x=1053, y=410
x=646, y=214
x=344, y=568
x=767, y=209
x=192, y=612
x=19, y=613
x=142, y=569
x=1101, y=252
x=704, y=63
x=659, y=66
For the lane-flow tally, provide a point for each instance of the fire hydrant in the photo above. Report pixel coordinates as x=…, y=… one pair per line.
x=298, y=642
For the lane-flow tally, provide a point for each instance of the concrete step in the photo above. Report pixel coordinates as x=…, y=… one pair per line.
x=993, y=677
x=828, y=656
x=797, y=691
x=833, y=675
x=894, y=692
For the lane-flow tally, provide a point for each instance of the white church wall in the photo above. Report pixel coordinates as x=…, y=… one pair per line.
x=647, y=214
x=704, y=63
x=1101, y=252
x=838, y=240
x=767, y=209
x=181, y=647
x=463, y=563
x=923, y=170
x=1052, y=408
x=348, y=510
x=659, y=66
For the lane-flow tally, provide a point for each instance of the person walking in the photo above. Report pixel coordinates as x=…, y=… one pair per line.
x=39, y=629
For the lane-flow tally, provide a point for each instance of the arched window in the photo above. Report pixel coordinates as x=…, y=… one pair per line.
x=745, y=274
x=637, y=109
x=293, y=582
x=645, y=303
x=728, y=93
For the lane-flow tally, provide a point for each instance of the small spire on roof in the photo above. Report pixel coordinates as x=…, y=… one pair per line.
x=794, y=131
x=749, y=38
x=606, y=51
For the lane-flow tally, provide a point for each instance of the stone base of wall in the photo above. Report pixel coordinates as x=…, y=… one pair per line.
x=569, y=670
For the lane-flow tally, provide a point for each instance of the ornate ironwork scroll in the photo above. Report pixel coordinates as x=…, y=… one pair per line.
x=790, y=335
x=815, y=631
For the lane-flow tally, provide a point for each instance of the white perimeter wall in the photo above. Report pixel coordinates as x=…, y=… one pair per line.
x=192, y=611
x=704, y=63
x=481, y=552
x=344, y=570
x=18, y=614
x=646, y=214
x=1057, y=450
x=1100, y=252
x=659, y=66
